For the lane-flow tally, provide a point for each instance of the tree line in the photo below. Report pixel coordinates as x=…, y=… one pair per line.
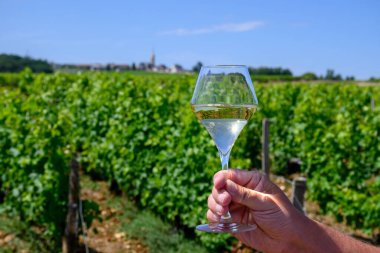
x=15, y=63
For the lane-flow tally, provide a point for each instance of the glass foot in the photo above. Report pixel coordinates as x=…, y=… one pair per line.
x=226, y=227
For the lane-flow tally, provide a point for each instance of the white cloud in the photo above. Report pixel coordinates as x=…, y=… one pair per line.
x=231, y=27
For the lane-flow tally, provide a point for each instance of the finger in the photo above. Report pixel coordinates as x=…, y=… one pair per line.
x=212, y=217
x=253, y=199
x=246, y=178
x=215, y=207
x=222, y=197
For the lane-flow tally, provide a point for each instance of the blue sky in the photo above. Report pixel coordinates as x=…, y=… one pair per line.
x=299, y=35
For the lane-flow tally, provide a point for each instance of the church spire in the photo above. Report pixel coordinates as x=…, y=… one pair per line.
x=152, y=59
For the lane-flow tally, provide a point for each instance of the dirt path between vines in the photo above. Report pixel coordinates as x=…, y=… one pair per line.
x=105, y=236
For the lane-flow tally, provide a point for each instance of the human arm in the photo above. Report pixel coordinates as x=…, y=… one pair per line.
x=317, y=237
x=252, y=198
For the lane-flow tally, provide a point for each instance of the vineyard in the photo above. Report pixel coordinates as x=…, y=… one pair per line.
x=138, y=132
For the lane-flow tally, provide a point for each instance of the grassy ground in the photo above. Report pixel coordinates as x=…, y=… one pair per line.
x=15, y=236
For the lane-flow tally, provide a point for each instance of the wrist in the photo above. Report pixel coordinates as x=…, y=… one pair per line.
x=299, y=238
x=310, y=236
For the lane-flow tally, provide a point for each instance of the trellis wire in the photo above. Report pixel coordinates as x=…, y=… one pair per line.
x=84, y=227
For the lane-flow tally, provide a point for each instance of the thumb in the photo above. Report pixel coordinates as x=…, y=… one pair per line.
x=250, y=198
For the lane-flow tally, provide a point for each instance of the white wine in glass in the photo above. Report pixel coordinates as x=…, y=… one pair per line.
x=223, y=101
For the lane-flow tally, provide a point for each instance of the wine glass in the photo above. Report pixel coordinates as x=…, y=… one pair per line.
x=223, y=101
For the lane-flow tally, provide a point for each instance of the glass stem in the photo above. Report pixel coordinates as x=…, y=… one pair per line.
x=224, y=158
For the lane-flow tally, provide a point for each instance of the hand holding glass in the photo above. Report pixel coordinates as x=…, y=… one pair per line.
x=223, y=101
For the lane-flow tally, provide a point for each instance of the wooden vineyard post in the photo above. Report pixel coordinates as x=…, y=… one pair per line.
x=372, y=104
x=2, y=194
x=298, y=193
x=265, y=155
x=70, y=239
